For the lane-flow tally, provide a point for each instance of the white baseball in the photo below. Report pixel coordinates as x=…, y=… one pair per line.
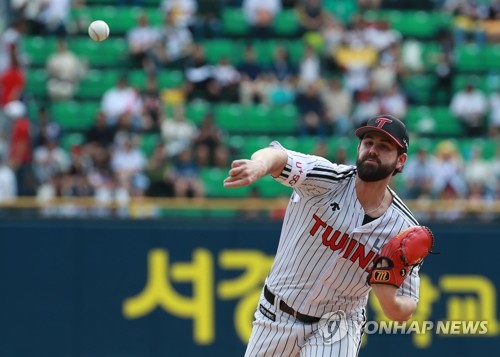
x=98, y=30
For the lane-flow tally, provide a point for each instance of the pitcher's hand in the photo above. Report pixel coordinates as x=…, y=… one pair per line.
x=244, y=173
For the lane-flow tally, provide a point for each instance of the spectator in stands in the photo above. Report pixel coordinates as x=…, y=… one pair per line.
x=448, y=172
x=369, y=4
x=79, y=170
x=121, y=99
x=478, y=174
x=10, y=45
x=65, y=70
x=12, y=82
x=311, y=15
x=186, y=175
x=381, y=36
x=208, y=20
x=111, y=190
x=281, y=66
x=209, y=144
x=8, y=183
x=152, y=103
x=468, y=22
x=338, y=106
x=309, y=67
x=260, y=15
x=20, y=150
x=228, y=80
x=492, y=23
x=159, y=173
x=141, y=41
x=412, y=56
x=367, y=106
x=50, y=160
x=333, y=34
x=312, y=112
x=45, y=128
x=54, y=16
x=183, y=11
x=355, y=56
x=495, y=172
x=200, y=81
x=174, y=44
x=129, y=2
x=279, y=93
x=419, y=174
x=393, y=101
x=494, y=109
x=251, y=85
x=384, y=76
x=444, y=73
x=100, y=134
x=128, y=164
x=178, y=133
x=470, y=106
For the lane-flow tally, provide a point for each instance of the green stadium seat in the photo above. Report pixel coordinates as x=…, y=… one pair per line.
x=39, y=49
x=492, y=57
x=165, y=79
x=342, y=10
x=433, y=121
x=96, y=82
x=283, y=120
x=148, y=143
x=234, y=22
x=461, y=80
x=111, y=53
x=196, y=110
x=256, y=119
x=269, y=188
x=213, y=179
x=264, y=50
x=36, y=82
x=252, y=143
x=470, y=58
x=170, y=79
x=229, y=117
x=70, y=140
x=413, y=23
x=296, y=50
x=74, y=116
x=217, y=49
x=286, y=22
x=431, y=54
x=420, y=86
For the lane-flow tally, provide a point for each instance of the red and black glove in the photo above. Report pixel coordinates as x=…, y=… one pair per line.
x=400, y=254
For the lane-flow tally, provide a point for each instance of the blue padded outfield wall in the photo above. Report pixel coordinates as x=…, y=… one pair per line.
x=189, y=288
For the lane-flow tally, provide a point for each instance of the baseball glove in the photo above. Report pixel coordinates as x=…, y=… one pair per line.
x=400, y=254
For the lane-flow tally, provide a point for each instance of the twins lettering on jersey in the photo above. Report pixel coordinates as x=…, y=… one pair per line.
x=295, y=178
x=338, y=241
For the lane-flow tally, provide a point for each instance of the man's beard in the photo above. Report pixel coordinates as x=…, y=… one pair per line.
x=371, y=172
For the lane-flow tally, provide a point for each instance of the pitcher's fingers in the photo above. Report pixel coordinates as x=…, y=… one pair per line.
x=232, y=182
x=237, y=163
x=237, y=170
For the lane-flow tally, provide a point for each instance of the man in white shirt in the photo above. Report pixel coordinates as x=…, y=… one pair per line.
x=121, y=99
x=470, y=106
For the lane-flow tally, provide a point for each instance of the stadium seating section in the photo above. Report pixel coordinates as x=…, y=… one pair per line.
x=252, y=127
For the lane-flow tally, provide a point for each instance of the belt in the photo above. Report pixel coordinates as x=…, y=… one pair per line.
x=270, y=297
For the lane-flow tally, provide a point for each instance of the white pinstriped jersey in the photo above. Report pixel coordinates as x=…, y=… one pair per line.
x=325, y=251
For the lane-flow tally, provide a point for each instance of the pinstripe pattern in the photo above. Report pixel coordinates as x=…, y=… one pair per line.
x=323, y=255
